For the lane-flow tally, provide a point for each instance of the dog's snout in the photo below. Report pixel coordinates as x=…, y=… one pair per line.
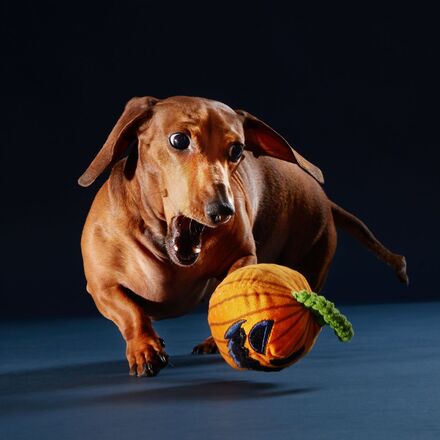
x=219, y=212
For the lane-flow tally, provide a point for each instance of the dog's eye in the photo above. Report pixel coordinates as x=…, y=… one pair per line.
x=235, y=151
x=180, y=141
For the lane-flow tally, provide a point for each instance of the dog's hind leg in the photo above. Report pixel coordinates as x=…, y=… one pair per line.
x=315, y=262
x=360, y=231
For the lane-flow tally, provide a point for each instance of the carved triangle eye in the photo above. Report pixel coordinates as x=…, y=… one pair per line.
x=234, y=330
x=259, y=335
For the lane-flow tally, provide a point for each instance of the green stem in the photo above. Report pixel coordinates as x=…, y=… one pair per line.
x=327, y=313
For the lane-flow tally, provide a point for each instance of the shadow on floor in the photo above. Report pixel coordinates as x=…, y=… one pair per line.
x=108, y=383
x=89, y=375
x=217, y=391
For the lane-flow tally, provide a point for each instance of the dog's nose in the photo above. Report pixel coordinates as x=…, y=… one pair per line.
x=219, y=212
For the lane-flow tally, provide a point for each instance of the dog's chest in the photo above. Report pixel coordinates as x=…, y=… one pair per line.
x=162, y=284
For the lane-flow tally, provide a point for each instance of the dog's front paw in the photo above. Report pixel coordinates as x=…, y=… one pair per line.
x=146, y=355
x=208, y=346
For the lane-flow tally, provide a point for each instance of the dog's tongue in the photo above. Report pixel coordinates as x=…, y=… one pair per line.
x=187, y=237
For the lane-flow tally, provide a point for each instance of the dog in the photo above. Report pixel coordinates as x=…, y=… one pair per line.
x=204, y=191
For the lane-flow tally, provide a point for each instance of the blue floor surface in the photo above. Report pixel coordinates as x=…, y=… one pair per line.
x=68, y=379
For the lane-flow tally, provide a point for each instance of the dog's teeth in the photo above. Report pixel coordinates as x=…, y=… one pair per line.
x=196, y=249
x=175, y=247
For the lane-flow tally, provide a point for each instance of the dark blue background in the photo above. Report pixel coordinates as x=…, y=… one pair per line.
x=355, y=90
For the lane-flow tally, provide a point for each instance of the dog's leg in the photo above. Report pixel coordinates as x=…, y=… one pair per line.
x=242, y=262
x=360, y=231
x=145, y=350
x=208, y=346
x=315, y=264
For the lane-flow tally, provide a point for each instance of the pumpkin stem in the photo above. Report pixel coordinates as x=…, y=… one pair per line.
x=327, y=313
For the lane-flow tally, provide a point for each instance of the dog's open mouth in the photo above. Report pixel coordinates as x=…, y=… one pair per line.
x=184, y=241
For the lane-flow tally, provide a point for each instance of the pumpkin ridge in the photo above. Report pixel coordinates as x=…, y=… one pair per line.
x=306, y=337
x=306, y=334
x=298, y=323
x=289, y=316
x=254, y=281
x=239, y=295
x=292, y=278
x=282, y=306
x=290, y=326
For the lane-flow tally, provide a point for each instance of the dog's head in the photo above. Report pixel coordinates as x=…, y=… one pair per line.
x=192, y=146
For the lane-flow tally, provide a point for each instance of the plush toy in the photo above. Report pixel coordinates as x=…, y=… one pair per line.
x=265, y=317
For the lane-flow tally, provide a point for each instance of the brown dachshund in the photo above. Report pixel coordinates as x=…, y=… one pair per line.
x=186, y=207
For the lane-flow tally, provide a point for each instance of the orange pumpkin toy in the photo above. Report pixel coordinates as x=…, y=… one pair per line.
x=265, y=317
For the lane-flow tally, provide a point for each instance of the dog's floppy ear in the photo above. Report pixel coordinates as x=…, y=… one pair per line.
x=263, y=140
x=123, y=133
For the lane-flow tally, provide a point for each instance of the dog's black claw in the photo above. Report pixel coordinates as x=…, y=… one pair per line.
x=163, y=359
x=147, y=370
x=151, y=371
x=144, y=371
x=197, y=350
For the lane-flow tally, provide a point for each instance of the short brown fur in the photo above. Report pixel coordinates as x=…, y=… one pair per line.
x=282, y=216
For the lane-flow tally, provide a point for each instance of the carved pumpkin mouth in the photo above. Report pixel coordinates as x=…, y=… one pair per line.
x=258, y=340
x=184, y=240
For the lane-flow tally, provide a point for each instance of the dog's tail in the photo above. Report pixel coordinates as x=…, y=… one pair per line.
x=360, y=231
